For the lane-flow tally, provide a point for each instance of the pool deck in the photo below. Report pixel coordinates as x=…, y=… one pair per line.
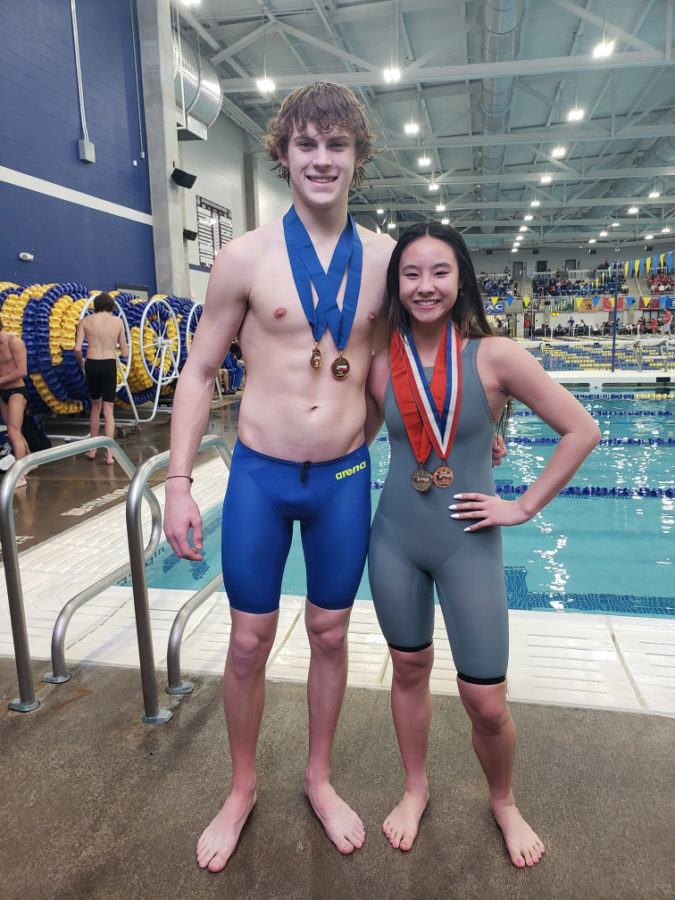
x=558, y=658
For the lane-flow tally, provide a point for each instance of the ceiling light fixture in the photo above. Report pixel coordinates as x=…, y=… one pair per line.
x=591, y=241
x=648, y=237
x=440, y=207
x=665, y=230
x=445, y=221
x=545, y=179
x=603, y=49
x=633, y=210
x=528, y=217
x=380, y=212
x=535, y=203
x=558, y=152
x=654, y=194
x=265, y=85
x=575, y=115
x=433, y=186
x=392, y=74
x=391, y=225
x=411, y=128
x=424, y=161
x=616, y=224
x=603, y=234
x=523, y=228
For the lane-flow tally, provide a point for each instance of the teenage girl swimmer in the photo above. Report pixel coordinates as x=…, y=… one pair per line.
x=438, y=518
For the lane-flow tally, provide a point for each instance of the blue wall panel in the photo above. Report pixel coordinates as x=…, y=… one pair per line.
x=40, y=129
x=71, y=243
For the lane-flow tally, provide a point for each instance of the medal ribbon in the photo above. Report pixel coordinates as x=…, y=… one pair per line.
x=430, y=412
x=307, y=271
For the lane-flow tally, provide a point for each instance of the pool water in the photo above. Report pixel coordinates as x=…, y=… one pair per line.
x=605, y=545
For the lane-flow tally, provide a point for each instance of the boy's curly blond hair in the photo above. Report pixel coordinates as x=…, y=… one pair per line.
x=325, y=105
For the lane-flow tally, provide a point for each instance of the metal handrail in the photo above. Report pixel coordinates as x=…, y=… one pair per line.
x=27, y=700
x=153, y=714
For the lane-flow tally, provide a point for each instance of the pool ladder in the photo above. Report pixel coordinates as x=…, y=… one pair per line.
x=138, y=555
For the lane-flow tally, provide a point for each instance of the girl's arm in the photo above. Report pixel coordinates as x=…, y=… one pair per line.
x=507, y=369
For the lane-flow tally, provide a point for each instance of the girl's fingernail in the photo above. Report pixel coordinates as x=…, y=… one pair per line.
x=457, y=496
x=468, y=528
x=454, y=506
x=454, y=516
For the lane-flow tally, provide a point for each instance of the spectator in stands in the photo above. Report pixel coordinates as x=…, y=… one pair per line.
x=667, y=321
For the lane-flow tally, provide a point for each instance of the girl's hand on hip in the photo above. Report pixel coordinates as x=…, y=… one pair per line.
x=481, y=510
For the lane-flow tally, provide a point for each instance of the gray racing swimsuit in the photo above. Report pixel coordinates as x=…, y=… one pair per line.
x=414, y=544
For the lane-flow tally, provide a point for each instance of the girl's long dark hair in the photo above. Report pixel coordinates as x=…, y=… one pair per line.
x=468, y=312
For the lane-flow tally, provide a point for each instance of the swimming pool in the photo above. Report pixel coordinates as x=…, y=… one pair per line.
x=604, y=545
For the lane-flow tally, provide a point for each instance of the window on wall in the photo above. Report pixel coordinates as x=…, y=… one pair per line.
x=214, y=229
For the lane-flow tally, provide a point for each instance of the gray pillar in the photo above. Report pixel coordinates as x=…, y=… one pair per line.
x=156, y=42
x=251, y=191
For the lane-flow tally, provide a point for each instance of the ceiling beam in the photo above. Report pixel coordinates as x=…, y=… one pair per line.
x=464, y=72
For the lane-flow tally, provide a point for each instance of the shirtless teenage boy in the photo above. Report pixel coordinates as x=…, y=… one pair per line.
x=13, y=396
x=103, y=332
x=299, y=427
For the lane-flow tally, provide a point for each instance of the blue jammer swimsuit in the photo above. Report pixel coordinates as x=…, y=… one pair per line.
x=331, y=500
x=414, y=544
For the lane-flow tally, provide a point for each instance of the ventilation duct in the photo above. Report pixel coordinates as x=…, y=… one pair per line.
x=197, y=89
x=502, y=21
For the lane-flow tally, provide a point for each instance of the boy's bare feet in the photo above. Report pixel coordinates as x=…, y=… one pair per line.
x=402, y=823
x=220, y=838
x=109, y=460
x=90, y=454
x=342, y=825
x=525, y=848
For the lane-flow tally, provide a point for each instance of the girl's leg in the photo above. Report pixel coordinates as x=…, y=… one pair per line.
x=411, y=709
x=494, y=740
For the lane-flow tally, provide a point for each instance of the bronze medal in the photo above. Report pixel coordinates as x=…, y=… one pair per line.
x=443, y=476
x=315, y=358
x=421, y=480
x=340, y=367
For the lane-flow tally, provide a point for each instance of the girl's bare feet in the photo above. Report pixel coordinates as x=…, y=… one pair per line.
x=524, y=846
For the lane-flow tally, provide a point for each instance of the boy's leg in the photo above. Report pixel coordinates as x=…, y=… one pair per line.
x=94, y=422
x=109, y=427
x=12, y=413
x=326, y=683
x=251, y=639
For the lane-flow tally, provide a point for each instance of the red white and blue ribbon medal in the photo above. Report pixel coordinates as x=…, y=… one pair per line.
x=430, y=411
x=307, y=271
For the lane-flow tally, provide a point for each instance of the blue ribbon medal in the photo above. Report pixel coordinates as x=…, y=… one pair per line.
x=307, y=271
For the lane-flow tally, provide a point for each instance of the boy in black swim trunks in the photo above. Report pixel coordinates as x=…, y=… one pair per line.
x=13, y=397
x=103, y=333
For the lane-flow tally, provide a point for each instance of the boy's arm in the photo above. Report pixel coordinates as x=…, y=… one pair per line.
x=224, y=309
x=122, y=341
x=19, y=364
x=79, y=341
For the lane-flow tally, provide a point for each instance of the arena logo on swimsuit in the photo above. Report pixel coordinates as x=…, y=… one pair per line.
x=352, y=471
